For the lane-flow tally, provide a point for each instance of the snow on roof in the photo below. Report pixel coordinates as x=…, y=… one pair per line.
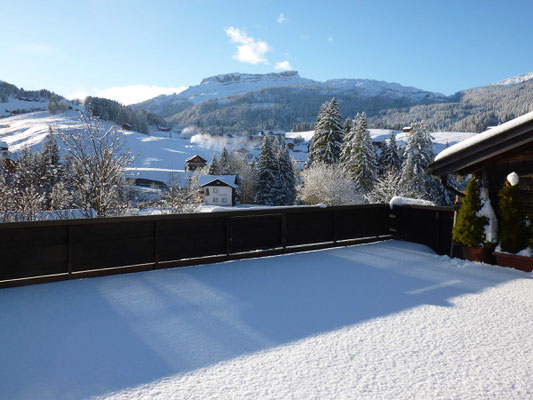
x=489, y=133
x=227, y=179
x=195, y=156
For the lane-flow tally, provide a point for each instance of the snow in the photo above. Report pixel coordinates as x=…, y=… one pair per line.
x=490, y=229
x=480, y=137
x=406, y=201
x=17, y=104
x=229, y=180
x=514, y=80
x=513, y=178
x=390, y=320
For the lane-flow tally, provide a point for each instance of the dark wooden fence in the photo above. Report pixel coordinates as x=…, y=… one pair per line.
x=427, y=225
x=33, y=252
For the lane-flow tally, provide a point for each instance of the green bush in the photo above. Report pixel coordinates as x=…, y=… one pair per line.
x=512, y=218
x=469, y=229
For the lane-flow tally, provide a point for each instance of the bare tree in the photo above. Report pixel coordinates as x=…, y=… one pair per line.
x=96, y=160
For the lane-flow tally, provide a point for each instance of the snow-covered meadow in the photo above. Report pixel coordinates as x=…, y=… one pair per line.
x=384, y=320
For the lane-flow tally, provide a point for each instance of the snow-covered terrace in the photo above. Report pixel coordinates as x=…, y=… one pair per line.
x=388, y=320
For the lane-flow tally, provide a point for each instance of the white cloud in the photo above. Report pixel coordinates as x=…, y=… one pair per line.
x=129, y=94
x=330, y=39
x=304, y=37
x=282, y=19
x=283, y=66
x=249, y=50
x=34, y=48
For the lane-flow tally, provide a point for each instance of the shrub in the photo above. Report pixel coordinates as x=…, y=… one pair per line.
x=512, y=218
x=469, y=227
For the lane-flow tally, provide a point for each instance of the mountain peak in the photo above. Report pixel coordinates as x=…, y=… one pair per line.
x=515, y=80
x=234, y=77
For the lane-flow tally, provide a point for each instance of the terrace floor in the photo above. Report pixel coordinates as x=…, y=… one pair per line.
x=382, y=320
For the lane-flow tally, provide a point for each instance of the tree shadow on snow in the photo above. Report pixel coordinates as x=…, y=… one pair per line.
x=83, y=338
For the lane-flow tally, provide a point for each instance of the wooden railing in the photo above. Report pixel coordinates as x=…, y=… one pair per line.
x=34, y=252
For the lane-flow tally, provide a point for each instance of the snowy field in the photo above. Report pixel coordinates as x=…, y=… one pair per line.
x=389, y=320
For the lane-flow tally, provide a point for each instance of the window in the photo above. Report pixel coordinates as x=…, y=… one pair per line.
x=215, y=190
x=224, y=200
x=215, y=199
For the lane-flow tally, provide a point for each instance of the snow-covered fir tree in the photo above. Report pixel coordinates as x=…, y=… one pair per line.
x=416, y=160
x=359, y=157
x=286, y=178
x=266, y=174
x=390, y=156
x=224, y=166
x=347, y=126
x=213, y=166
x=325, y=146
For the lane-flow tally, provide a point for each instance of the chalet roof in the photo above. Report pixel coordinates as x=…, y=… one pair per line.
x=3, y=145
x=469, y=153
x=226, y=179
x=194, y=157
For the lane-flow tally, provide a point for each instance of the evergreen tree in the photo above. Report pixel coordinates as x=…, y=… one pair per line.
x=390, y=157
x=266, y=171
x=359, y=156
x=213, y=166
x=413, y=177
x=347, y=126
x=469, y=229
x=512, y=219
x=224, y=163
x=286, y=178
x=326, y=144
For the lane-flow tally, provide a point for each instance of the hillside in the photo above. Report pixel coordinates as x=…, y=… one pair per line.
x=14, y=100
x=162, y=158
x=241, y=103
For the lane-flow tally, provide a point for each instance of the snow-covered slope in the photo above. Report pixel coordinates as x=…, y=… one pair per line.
x=22, y=105
x=157, y=157
x=514, y=80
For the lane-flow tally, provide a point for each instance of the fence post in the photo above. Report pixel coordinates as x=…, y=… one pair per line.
x=228, y=236
x=69, y=252
x=334, y=225
x=156, y=245
x=283, y=231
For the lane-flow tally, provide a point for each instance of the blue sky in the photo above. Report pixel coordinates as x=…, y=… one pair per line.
x=87, y=47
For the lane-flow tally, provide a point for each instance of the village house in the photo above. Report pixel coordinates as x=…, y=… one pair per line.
x=194, y=162
x=218, y=190
x=491, y=156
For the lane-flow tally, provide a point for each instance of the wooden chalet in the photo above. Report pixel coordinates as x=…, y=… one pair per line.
x=127, y=127
x=194, y=162
x=491, y=156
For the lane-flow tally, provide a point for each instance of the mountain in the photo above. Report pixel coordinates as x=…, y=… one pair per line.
x=242, y=103
x=515, y=80
x=249, y=102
